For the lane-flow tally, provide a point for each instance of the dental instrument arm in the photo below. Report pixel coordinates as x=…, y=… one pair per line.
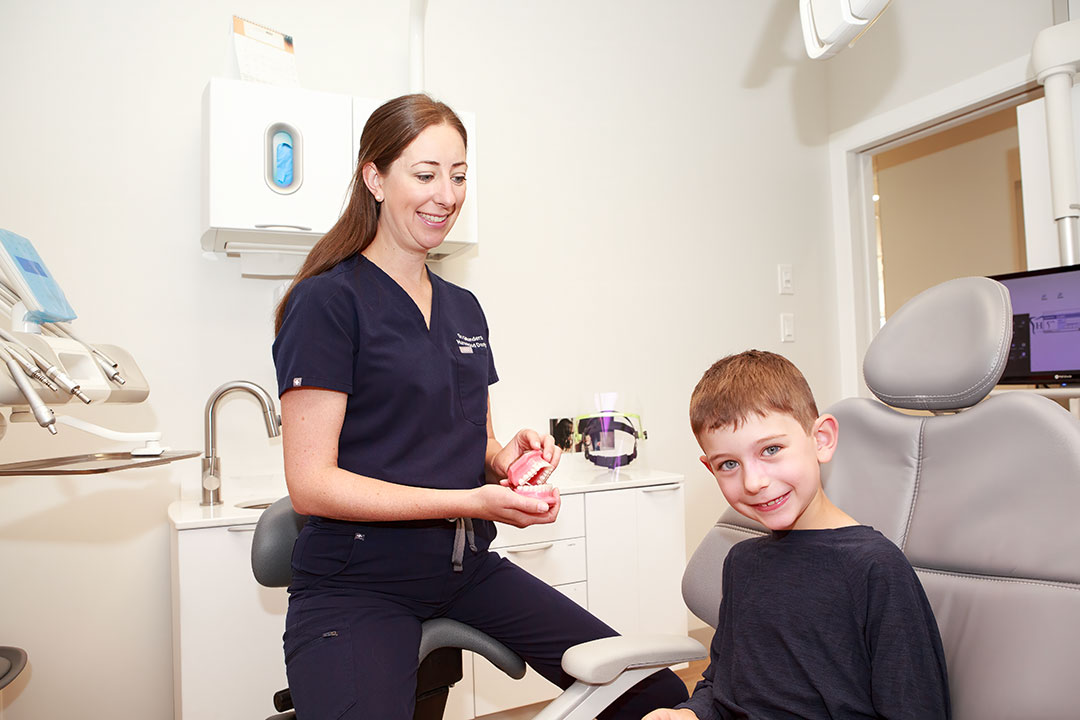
x=42, y=414
x=153, y=446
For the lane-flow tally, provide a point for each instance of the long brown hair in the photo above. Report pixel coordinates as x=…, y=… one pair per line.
x=386, y=134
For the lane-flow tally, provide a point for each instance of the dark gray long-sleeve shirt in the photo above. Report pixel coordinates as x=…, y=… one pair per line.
x=818, y=624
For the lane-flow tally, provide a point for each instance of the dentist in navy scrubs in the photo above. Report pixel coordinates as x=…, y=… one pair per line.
x=383, y=370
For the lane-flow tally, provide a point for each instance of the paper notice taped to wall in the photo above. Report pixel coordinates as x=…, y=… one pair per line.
x=263, y=54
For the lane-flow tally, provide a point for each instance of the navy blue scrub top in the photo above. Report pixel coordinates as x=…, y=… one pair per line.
x=416, y=412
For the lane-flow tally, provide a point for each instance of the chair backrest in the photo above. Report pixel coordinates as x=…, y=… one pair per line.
x=271, y=547
x=981, y=497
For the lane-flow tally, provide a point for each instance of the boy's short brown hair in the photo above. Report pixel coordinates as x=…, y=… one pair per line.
x=752, y=382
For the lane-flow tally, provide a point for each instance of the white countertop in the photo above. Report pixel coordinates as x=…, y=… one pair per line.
x=575, y=474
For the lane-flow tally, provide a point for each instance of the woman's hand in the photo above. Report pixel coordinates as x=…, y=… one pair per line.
x=664, y=714
x=524, y=441
x=499, y=503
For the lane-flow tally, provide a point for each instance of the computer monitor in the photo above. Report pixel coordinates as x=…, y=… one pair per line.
x=1046, y=326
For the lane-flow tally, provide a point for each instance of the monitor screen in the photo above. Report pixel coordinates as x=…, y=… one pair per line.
x=1046, y=326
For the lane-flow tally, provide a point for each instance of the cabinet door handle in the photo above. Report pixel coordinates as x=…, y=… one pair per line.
x=546, y=546
x=663, y=488
x=268, y=226
x=241, y=528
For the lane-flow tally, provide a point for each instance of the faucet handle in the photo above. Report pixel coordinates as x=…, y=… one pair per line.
x=211, y=481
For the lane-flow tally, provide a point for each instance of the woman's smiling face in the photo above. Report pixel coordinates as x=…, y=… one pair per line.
x=424, y=189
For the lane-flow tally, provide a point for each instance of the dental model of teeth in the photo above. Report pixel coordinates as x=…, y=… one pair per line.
x=528, y=476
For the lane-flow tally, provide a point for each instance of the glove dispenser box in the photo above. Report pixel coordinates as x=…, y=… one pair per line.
x=277, y=165
x=464, y=234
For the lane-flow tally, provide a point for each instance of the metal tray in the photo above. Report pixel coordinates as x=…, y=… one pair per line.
x=93, y=463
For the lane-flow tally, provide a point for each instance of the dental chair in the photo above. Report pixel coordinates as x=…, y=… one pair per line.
x=982, y=496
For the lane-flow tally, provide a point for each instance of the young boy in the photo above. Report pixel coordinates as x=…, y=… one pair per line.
x=822, y=618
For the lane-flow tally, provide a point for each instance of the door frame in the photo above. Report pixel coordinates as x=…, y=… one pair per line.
x=851, y=172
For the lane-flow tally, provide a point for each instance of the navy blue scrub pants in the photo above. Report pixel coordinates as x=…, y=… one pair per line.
x=360, y=592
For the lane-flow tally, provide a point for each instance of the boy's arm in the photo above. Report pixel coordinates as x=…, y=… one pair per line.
x=908, y=674
x=702, y=701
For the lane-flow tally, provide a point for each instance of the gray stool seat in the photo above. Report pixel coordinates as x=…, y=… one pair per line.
x=12, y=662
x=271, y=556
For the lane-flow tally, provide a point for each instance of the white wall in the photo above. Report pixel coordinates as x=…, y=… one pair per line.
x=921, y=46
x=645, y=167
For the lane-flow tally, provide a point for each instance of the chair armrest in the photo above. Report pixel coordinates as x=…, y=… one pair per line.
x=601, y=661
x=444, y=632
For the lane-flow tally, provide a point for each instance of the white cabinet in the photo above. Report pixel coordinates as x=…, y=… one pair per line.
x=243, y=206
x=227, y=656
x=616, y=549
x=636, y=556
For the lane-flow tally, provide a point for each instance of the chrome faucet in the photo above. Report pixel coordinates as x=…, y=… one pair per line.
x=211, y=464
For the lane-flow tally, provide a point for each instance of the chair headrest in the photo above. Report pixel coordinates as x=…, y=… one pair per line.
x=944, y=349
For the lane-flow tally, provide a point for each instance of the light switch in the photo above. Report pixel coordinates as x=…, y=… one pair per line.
x=786, y=280
x=787, y=327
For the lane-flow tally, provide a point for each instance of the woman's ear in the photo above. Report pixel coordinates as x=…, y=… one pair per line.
x=372, y=180
x=826, y=433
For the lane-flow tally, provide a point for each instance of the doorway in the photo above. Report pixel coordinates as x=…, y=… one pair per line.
x=948, y=205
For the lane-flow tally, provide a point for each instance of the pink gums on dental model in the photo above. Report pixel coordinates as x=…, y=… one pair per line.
x=528, y=476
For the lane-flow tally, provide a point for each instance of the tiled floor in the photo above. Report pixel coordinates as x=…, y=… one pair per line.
x=690, y=675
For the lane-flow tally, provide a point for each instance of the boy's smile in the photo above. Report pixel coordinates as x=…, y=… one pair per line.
x=769, y=470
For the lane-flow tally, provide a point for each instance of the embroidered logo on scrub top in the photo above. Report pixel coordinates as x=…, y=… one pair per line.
x=466, y=345
x=297, y=382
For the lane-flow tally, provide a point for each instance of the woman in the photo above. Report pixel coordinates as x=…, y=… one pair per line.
x=383, y=370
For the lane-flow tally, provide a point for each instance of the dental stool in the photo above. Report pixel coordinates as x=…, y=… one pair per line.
x=983, y=497
x=441, y=640
x=12, y=662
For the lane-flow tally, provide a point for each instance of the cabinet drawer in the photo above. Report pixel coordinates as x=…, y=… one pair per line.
x=557, y=562
x=569, y=524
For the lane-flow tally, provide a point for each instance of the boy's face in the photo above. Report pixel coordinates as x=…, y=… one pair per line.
x=768, y=469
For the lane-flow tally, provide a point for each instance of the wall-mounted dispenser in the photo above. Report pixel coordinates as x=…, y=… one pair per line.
x=277, y=163
x=284, y=158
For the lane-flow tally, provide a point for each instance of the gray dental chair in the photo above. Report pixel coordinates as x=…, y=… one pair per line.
x=441, y=640
x=983, y=497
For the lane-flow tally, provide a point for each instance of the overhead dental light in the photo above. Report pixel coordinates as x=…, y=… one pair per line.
x=829, y=26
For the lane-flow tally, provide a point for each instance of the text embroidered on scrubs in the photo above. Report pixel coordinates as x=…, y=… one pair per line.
x=467, y=344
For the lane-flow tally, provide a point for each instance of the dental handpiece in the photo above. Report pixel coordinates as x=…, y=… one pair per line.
x=100, y=353
x=110, y=371
x=44, y=415
x=58, y=376
x=31, y=369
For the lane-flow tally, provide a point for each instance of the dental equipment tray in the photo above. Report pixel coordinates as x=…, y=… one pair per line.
x=93, y=463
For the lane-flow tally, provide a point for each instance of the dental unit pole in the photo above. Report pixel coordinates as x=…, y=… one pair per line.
x=1055, y=56
x=417, y=19
x=211, y=464
x=42, y=413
